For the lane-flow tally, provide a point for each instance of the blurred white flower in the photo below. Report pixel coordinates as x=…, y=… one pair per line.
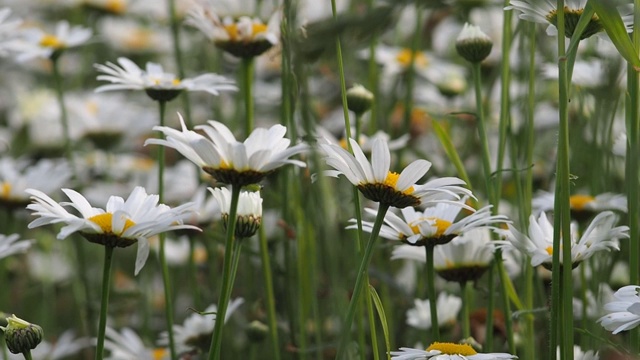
x=36, y=43
x=623, y=313
x=447, y=307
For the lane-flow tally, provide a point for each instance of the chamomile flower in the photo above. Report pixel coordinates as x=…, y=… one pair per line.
x=624, y=312
x=195, y=332
x=122, y=224
x=545, y=12
x=16, y=176
x=582, y=205
x=447, y=306
x=249, y=212
x=127, y=345
x=11, y=244
x=377, y=183
x=36, y=43
x=447, y=351
x=229, y=161
x=242, y=36
x=601, y=234
x=158, y=84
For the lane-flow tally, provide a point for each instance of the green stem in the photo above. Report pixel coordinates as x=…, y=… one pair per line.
x=106, y=284
x=466, y=305
x=343, y=85
x=271, y=303
x=482, y=131
x=431, y=293
x=247, y=78
x=357, y=289
x=177, y=53
x=227, y=277
x=27, y=355
x=64, y=120
x=410, y=72
x=166, y=279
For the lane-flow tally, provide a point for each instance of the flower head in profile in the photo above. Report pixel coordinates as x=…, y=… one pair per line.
x=249, y=213
x=229, y=161
x=546, y=12
x=447, y=306
x=127, y=345
x=121, y=224
x=241, y=36
x=624, y=312
x=377, y=183
x=158, y=84
x=447, y=351
x=473, y=44
x=601, y=234
x=11, y=244
x=583, y=206
x=18, y=175
x=36, y=43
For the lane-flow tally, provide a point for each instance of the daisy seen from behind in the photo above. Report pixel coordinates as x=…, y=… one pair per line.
x=446, y=351
x=601, y=234
x=624, y=312
x=229, y=161
x=377, y=183
x=158, y=84
x=121, y=224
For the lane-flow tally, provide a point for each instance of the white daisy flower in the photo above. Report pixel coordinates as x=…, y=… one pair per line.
x=156, y=82
x=249, y=211
x=602, y=234
x=8, y=30
x=122, y=224
x=129, y=36
x=127, y=345
x=447, y=351
x=377, y=183
x=229, y=161
x=16, y=176
x=195, y=332
x=448, y=307
x=624, y=312
x=243, y=36
x=36, y=43
x=11, y=244
x=544, y=201
x=435, y=225
x=366, y=142
x=545, y=12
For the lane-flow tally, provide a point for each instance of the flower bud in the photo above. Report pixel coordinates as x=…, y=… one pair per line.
x=473, y=44
x=21, y=336
x=359, y=99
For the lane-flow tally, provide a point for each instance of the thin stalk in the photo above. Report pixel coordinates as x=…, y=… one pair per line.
x=247, y=79
x=166, y=279
x=271, y=302
x=466, y=305
x=343, y=84
x=177, y=53
x=491, y=304
x=357, y=289
x=193, y=273
x=227, y=280
x=431, y=293
x=104, y=304
x=633, y=164
x=27, y=355
x=482, y=131
x=372, y=321
x=372, y=69
x=410, y=72
x=64, y=120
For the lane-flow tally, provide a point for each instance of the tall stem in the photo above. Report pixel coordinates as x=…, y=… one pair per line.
x=104, y=304
x=247, y=78
x=482, y=131
x=64, y=120
x=268, y=285
x=343, y=85
x=466, y=305
x=227, y=277
x=357, y=289
x=431, y=293
x=166, y=279
x=177, y=53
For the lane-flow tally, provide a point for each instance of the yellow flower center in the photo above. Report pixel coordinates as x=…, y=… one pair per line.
x=549, y=250
x=159, y=353
x=441, y=225
x=452, y=349
x=104, y=221
x=5, y=190
x=116, y=6
x=174, y=82
x=51, y=41
x=578, y=202
x=392, y=181
x=232, y=30
x=139, y=39
x=404, y=58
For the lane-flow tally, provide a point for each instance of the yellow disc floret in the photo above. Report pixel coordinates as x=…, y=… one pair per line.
x=159, y=353
x=549, y=250
x=5, y=190
x=392, y=180
x=579, y=202
x=234, y=35
x=116, y=6
x=105, y=220
x=404, y=58
x=51, y=41
x=452, y=349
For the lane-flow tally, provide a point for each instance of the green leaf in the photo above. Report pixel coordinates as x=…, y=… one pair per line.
x=615, y=28
x=383, y=318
